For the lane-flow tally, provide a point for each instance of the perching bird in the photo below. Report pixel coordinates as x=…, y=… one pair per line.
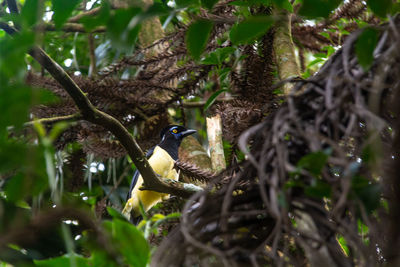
x=161, y=158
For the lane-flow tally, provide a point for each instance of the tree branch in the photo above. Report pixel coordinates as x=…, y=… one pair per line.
x=12, y=5
x=284, y=51
x=92, y=114
x=91, y=12
x=7, y=28
x=72, y=117
x=214, y=133
x=72, y=27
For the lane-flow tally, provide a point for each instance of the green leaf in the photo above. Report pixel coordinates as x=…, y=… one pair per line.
x=318, y=8
x=197, y=36
x=250, y=29
x=118, y=29
x=157, y=217
x=208, y=3
x=58, y=129
x=15, y=102
x=15, y=188
x=210, y=59
x=62, y=10
x=115, y=214
x=91, y=22
x=11, y=154
x=313, y=162
x=320, y=190
x=129, y=241
x=63, y=261
x=365, y=46
x=100, y=258
x=369, y=193
x=12, y=56
x=212, y=98
x=284, y=4
x=343, y=244
x=30, y=12
x=380, y=8
x=218, y=56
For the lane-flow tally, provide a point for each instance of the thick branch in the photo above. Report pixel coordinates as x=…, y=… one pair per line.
x=73, y=27
x=201, y=103
x=12, y=5
x=72, y=117
x=284, y=51
x=91, y=12
x=214, y=133
x=92, y=114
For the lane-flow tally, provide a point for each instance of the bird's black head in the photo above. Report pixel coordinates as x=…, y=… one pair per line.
x=176, y=132
x=171, y=138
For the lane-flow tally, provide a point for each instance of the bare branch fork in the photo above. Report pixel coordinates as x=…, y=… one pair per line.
x=93, y=115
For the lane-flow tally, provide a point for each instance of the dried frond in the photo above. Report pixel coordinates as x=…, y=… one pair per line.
x=75, y=164
x=237, y=116
x=193, y=172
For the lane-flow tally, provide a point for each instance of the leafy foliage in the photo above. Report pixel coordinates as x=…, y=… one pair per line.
x=365, y=46
x=197, y=36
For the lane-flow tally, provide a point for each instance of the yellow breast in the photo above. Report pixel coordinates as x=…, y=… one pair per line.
x=162, y=164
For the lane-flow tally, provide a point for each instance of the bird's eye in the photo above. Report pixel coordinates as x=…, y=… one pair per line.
x=174, y=130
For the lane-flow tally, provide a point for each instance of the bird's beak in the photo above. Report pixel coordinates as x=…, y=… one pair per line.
x=187, y=132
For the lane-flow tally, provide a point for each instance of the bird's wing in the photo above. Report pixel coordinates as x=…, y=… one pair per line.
x=136, y=174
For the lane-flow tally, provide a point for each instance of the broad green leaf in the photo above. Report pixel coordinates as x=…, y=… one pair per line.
x=365, y=46
x=319, y=190
x=12, y=55
x=212, y=98
x=30, y=12
x=318, y=8
x=369, y=193
x=284, y=4
x=313, y=162
x=208, y=3
x=91, y=22
x=197, y=36
x=11, y=154
x=381, y=8
x=115, y=214
x=250, y=29
x=16, y=188
x=100, y=258
x=118, y=29
x=130, y=242
x=15, y=102
x=64, y=261
x=218, y=56
x=62, y=10
x=210, y=59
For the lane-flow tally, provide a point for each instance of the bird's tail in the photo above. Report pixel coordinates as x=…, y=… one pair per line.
x=136, y=220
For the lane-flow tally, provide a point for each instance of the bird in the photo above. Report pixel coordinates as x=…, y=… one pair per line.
x=161, y=158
